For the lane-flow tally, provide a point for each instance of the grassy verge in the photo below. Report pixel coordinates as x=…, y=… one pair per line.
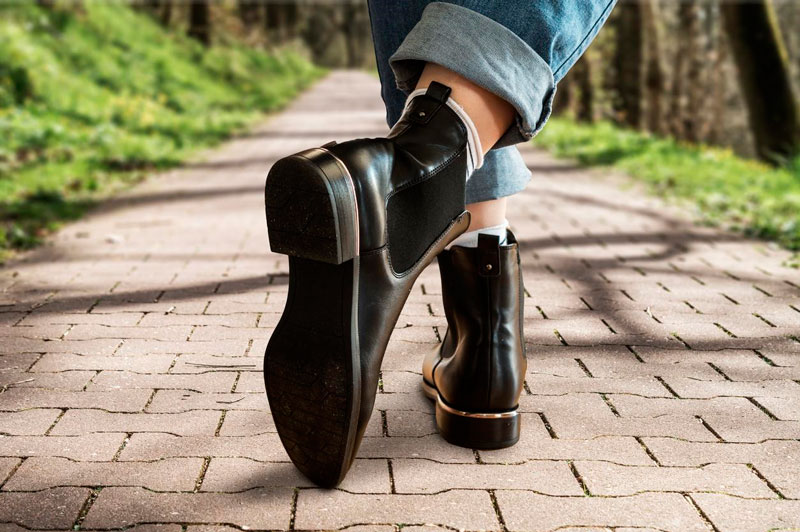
x=94, y=98
x=726, y=190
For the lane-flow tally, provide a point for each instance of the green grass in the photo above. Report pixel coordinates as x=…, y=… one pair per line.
x=92, y=99
x=727, y=190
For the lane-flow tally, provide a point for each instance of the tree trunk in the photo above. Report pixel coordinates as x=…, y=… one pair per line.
x=160, y=9
x=291, y=17
x=763, y=67
x=274, y=21
x=583, y=80
x=716, y=117
x=562, y=103
x=677, y=94
x=356, y=29
x=689, y=15
x=200, y=21
x=249, y=13
x=628, y=63
x=654, y=69
x=166, y=13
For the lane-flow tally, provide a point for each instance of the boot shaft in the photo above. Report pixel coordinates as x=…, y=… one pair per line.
x=483, y=300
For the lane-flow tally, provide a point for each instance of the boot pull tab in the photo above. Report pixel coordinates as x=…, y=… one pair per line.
x=438, y=91
x=488, y=255
x=424, y=108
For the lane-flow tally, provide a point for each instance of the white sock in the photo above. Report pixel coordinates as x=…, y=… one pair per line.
x=470, y=238
x=474, y=148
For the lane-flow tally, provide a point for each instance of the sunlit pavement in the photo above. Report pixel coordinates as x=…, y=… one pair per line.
x=663, y=385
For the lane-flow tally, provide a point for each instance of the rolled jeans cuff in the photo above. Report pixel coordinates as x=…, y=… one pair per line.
x=484, y=52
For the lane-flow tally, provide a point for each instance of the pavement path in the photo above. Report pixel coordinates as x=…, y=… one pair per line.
x=663, y=389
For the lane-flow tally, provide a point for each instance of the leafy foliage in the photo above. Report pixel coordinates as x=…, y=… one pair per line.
x=91, y=97
x=740, y=194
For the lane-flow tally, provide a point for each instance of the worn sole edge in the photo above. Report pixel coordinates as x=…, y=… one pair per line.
x=354, y=368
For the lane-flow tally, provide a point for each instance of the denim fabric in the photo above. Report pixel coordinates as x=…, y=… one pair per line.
x=517, y=49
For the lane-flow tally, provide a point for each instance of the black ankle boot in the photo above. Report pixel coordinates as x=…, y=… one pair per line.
x=359, y=220
x=476, y=374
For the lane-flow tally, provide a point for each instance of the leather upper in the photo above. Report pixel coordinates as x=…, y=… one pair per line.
x=382, y=296
x=428, y=138
x=480, y=366
x=398, y=176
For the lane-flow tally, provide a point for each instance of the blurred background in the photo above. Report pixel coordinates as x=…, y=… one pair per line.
x=698, y=98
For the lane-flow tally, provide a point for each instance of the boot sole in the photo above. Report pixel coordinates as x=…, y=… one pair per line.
x=311, y=365
x=474, y=430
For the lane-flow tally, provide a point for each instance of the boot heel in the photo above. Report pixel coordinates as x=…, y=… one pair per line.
x=477, y=430
x=311, y=207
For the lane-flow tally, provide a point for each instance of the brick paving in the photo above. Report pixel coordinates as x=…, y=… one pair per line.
x=663, y=389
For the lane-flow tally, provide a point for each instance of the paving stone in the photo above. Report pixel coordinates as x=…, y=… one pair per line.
x=651, y=407
x=722, y=358
x=759, y=371
x=121, y=380
x=690, y=388
x=663, y=511
x=671, y=452
x=621, y=450
x=323, y=509
x=401, y=381
x=746, y=515
x=409, y=424
x=79, y=422
x=250, y=382
x=65, y=380
x=7, y=466
x=138, y=364
x=155, y=446
x=568, y=404
x=424, y=476
x=9, y=319
x=94, y=331
x=414, y=401
x=120, y=319
x=105, y=346
x=155, y=319
x=11, y=527
x=56, y=508
x=220, y=307
x=261, y=508
x=137, y=346
x=27, y=422
x=783, y=408
x=605, y=478
x=185, y=400
x=247, y=423
x=159, y=528
x=116, y=401
x=753, y=429
x=172, y=474
x=683, y=426
x=92, y=447
x=45, y=332
x=17, y=362
x=240, y=474
x=199, y=363
x=431, y=447
x=210, y=333
x=616, y=368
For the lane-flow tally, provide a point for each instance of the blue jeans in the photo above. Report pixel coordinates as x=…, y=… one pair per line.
x=517, y=49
